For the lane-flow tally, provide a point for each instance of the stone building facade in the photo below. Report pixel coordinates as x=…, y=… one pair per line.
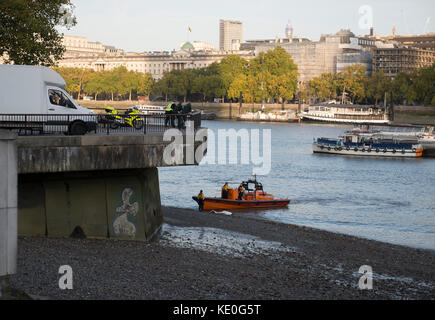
x=78, y=46
x=155, y=63
x=330, y=54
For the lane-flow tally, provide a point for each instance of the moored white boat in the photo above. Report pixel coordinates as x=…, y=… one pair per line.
x=148, y=109
x=369, y=143
x=424, y=134
x=342, y=113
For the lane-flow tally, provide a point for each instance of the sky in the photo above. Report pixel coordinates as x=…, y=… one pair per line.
x=155, y=25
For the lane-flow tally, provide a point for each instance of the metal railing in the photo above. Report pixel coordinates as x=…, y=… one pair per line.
x=77, y=124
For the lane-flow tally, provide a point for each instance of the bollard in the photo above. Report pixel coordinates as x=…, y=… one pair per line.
x=8, y=209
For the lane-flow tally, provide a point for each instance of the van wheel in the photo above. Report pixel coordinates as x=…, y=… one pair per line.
x=78, y=128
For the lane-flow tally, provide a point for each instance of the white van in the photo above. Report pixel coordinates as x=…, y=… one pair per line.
x=33, y=97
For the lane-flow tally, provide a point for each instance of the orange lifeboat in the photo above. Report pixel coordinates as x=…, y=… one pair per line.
x=254, y=197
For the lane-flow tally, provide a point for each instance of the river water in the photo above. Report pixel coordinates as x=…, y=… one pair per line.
x=386, y=199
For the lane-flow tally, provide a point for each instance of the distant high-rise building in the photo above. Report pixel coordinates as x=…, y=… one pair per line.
x=230, y=35
x=289, y=31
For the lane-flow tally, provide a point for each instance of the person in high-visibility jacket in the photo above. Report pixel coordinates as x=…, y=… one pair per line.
x=201, y=198
x=225, y=189
x=168, y=112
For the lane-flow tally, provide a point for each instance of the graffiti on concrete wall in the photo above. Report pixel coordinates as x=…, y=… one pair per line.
x=124, y=222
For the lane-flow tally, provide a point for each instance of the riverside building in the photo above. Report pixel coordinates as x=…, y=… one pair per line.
x=330, y=54
x=401, y=59
x=83, y=54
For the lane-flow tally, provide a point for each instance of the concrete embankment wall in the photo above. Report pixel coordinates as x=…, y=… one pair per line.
x=424, y=115
x=103, y=186
x=121, y=204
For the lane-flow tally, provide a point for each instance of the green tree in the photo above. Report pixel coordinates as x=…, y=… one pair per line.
x=95, y=84
x=181, y=83
x=208, y=82
x=71, y=80
x=109, y=82
x=230, y=68
x=423, y=82
x=377, y=85
x=28, y=32
x=132, y=82
x=146, y=83
x=324, y=87
x=248, y=85
x=75, y=78
x=403, y=89
x=85, y=75
x=120, y=78
x=239, y=84
x=352, y=80
x=276, y=72
x=165, y=85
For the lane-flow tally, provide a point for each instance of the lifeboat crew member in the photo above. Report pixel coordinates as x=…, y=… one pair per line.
x=225, y=190
x=241, y=190
x=201, y=200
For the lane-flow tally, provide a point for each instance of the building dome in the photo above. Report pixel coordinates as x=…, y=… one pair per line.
x=187, y=46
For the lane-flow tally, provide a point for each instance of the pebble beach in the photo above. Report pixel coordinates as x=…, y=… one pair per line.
x=201, y=255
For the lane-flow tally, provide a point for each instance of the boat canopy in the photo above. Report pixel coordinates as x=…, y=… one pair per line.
x=257, y=185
